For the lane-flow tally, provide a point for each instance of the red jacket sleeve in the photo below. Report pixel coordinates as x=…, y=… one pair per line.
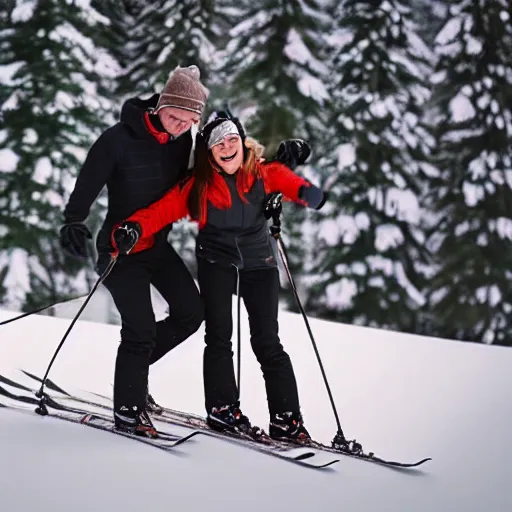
x=279, y=178
x=170, y=208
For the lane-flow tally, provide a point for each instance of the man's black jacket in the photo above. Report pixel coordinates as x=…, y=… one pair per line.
x=136, y=168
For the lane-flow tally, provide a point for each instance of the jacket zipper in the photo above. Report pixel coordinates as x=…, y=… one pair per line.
x=239, y=252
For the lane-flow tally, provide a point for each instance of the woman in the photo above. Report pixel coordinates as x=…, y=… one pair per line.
x=226, y=196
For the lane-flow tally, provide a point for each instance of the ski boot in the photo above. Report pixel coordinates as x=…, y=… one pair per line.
x=289, y=426
x=228, y=417
x=132, y=422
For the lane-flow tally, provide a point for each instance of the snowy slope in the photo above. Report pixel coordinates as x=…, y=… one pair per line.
x=402, y=396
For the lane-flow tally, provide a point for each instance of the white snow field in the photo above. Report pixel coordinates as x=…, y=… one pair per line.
x=404, y=397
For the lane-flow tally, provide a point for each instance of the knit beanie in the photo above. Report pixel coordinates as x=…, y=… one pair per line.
x=184, y=90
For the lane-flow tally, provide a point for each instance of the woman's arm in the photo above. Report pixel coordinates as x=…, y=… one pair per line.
x=279, y=178
x=170, y=208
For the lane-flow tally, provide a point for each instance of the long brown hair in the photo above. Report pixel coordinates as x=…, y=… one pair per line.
x=205, y=167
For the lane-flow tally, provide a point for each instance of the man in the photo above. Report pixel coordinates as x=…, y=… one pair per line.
x=139, y=159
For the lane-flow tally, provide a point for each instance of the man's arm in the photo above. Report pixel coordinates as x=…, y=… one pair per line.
x=97, y=168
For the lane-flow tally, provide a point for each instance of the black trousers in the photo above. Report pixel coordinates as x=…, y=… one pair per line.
x=143, y=340
x=259, y=290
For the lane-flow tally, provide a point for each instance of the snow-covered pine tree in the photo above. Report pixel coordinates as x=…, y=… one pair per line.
x=275, y=67
x=117, y=36
x=430, y=16
x=162, y=35
x=471, y=294
x=52, y=107
x=370, y=263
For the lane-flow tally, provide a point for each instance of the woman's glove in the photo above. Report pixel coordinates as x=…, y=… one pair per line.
x=313, y=196
x=126, y=236
x=293, y=152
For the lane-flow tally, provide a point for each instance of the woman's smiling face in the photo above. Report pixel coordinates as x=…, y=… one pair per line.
x=229, y=153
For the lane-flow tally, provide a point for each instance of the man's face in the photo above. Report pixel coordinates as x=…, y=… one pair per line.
x=177, y=121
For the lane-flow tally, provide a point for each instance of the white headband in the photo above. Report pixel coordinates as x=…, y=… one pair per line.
x=222, y=130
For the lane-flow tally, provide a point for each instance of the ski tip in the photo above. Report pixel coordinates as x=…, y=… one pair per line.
x=304, y=456
x=403, y=464
x=183, y=439
x=330, y=463
x=192, y=434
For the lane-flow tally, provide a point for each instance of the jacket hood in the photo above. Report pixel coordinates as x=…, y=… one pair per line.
x=132, y=114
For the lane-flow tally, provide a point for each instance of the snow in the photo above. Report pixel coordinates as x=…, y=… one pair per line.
x=387, y=236
x=401, y=395
x=473, y=45
x=461, y=108
x=297, y=51
x=503, y=226
x=30, y=136
x=119, y=474
x=7, y=72
x=402, y=204
x=8, y=160
x=339, y=295
x=23, y=11
x=449, y=31
x=42, y=171
x=312, y=87
x=411, y=290
x=362, y=221
x=17, y=280
x=489, y=295
x=329, y=229
x=472, y=193
x=346, y=155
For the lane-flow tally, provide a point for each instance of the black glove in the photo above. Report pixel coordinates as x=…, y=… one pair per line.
x=293, y=152
x=73, y=239
x=126, y=236
x=272, y=205
x=313, y=196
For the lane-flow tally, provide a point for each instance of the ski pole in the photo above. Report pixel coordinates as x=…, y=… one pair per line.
x=39, y=310
x=41, y=408
x=275, y=230
x=238, y=329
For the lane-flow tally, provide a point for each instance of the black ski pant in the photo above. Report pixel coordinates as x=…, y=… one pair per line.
x=259, y=290
x=143, y=340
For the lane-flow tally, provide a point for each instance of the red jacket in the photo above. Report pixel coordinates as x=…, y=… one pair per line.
x=275, y=176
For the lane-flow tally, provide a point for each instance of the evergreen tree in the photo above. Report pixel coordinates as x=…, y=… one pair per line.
x=430, y=16
x=155, y=38
x=471, y=294
x=275, y=66
x=372, y=261
x=52, y=107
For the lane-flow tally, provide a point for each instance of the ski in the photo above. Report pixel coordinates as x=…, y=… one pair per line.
x=31, y=400
x=49, y=384
x=164, y=440
x=199, y=423
x=370, y=457
x=260, y=443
